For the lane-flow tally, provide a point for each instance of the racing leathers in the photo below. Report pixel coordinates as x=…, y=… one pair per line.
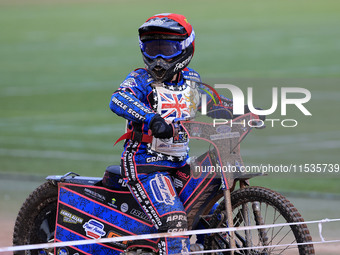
x=148, y=164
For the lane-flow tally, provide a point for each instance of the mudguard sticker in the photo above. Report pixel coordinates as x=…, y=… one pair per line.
x=94, y=229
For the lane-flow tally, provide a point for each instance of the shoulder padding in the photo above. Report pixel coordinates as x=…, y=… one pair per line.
x=191, y=74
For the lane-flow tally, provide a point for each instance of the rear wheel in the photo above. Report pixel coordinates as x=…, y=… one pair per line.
x=260, y=206
x=35, y=222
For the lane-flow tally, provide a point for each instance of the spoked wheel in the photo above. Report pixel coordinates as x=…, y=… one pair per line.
x=35, y=222
x=253, y=206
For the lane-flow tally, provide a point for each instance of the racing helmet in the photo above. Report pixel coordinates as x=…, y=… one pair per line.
x=167, y=42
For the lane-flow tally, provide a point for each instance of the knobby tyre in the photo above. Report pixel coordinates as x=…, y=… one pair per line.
x=260, y=206
x=35, y=222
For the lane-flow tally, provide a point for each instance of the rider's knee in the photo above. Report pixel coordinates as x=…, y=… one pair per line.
x=174, y=222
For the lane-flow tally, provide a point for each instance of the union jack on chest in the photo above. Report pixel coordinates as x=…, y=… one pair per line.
x=173, y=105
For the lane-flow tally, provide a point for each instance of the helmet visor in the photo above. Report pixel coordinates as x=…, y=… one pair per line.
x=161, y=48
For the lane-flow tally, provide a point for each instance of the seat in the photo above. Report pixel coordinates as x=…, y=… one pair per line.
x=112, y=179
x=114, y=169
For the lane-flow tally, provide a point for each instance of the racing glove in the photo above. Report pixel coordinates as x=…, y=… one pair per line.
x=161, y=129
x=261, y=117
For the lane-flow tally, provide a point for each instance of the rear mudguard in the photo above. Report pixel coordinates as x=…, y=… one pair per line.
x=87, y=209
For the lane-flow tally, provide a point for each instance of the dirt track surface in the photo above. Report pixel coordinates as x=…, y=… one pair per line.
x=13, y=193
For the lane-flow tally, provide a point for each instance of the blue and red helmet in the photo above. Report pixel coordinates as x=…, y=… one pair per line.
x=167, y=42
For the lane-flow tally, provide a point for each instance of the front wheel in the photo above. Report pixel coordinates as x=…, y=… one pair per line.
x=35, y=222
x=260, y=206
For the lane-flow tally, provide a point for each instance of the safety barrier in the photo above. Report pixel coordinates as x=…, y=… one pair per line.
x=190, y=232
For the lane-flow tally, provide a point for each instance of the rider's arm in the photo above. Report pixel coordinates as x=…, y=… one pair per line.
x=127, y=100
x=224, y=109
x=219, y=108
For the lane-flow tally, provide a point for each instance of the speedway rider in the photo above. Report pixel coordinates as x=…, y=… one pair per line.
x=150, y=99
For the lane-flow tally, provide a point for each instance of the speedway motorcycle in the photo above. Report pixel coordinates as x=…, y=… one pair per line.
x=72, y=207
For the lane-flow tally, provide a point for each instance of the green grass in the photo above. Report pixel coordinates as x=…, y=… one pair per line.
x=60, y=62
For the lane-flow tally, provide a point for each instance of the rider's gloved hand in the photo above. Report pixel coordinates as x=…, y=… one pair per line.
x=161, y=129
x=261, y=117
